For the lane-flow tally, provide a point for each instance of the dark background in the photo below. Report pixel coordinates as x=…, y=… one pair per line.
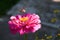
x=44, y=33
x=5, y=5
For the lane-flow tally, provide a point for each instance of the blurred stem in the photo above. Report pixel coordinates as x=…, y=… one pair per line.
x=25, y=37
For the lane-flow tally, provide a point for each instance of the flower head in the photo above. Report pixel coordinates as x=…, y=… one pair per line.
x=24, y=23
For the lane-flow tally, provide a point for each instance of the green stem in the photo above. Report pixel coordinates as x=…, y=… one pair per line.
x=25, y=37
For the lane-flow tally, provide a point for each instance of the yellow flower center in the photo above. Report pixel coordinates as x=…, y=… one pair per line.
x=24, y=19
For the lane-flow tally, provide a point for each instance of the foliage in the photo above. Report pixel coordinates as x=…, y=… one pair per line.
x=5, y=5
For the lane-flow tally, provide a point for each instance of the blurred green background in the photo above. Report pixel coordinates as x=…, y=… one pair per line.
x=5, y=5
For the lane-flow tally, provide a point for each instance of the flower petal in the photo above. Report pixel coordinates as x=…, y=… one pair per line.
x=21, y=32
x=12, y=17
x=37, y=27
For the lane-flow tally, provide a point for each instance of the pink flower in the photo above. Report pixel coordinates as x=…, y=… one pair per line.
x=24, y=23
